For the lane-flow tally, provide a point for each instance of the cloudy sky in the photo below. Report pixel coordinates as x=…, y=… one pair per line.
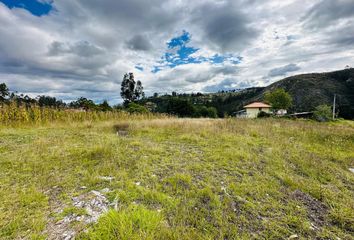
x=73, y=48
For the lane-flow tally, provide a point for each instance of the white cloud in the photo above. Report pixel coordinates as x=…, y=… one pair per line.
x=85, y=46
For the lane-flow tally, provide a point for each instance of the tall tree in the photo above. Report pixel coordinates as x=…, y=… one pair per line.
x=131, y=90
x=4, y=91
x=139, y=93
x=279, y=99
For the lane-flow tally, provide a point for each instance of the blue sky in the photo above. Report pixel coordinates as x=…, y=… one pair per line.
x=179, y=52
x=37, y=8
x=73, y=48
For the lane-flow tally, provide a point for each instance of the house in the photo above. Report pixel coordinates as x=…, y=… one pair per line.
x=254, y=108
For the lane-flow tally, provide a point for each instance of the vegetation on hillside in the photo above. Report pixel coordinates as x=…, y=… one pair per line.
x=179, y=179
x=223, y=103
x=307, y=92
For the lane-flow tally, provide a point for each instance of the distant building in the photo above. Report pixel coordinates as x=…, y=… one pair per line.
x=253, y=109
x=281, y=112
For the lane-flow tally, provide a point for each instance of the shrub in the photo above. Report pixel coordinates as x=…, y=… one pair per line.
x=323, y=113
x=262, y=114
x=210, y=112
x=136, y=108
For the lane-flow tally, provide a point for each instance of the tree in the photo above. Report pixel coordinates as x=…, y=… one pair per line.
x=47, y=101
x=180, y=107
x=139, y=90
x=279, y=99
x=323, y=113
x=4, y=92
x=104, y=106
x=84, y=103
x=131, y=90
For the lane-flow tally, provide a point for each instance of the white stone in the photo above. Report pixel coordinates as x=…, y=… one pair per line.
x=105, y=190
x=106, y=178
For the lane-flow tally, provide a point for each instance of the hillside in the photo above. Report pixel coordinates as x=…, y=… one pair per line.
x=307, y=90
x=311, y=90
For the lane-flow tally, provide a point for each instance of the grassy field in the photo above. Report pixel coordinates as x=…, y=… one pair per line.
x=178, y=179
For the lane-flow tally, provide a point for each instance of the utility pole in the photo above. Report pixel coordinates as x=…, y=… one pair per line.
x=334, y=107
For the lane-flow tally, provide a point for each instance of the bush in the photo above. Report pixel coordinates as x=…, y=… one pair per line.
x=262, y=114
x=181, y=108
x=136, y=108
x=209, y=112
x=323, y=113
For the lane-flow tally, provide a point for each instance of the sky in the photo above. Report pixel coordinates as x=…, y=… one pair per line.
x=73, y=48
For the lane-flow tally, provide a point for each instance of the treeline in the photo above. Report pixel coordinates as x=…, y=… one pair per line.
x=221, y=104
x=179, y=106
x=134, y=101
x=7, y=97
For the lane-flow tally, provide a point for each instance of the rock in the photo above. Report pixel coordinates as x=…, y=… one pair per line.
x=68, y=235
x=351, y=169
x=83, y=187
x=115, y=204
x=106, y=178
x=105, y=190
x=138, y=183
x=293, y=236
x=122, y=133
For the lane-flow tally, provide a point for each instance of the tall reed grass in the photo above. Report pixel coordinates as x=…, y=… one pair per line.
x=14, y=115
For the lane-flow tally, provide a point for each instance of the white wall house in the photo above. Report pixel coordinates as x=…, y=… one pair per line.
x=254, y=108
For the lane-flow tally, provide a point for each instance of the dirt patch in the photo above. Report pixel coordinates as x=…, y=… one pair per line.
x=52, y=230
x=88, y=208
x=316, y=210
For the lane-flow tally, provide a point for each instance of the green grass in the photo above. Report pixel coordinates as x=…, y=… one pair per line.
x=182, y=178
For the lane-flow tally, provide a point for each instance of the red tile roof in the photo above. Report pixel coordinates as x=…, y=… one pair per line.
x=257, y=105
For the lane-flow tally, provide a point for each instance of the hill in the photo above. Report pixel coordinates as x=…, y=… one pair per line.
x=311, y=90
x=307, y=90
